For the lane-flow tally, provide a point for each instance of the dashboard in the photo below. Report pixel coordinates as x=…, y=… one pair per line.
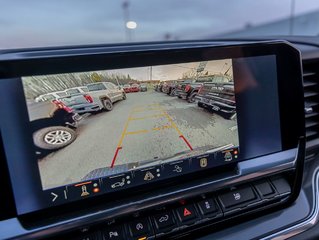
x=194, y=140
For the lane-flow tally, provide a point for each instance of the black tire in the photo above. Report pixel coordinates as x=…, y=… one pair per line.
x=124, y=96
x=191, y=98
x=107, y=104
x=53, y=138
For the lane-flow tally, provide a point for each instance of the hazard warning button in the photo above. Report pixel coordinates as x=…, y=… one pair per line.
x=187, y=214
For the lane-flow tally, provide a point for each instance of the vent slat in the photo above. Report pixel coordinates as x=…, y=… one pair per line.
x=311, y=123
x=310, y=115
x=311, y=96
x=311, y=133
x=309, y=103
x=308, y=94
x=307, y=83
x=308, y=73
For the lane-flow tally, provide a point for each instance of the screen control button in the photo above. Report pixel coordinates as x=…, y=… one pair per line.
x=139, y=228
x=118, y=182
x=282, y=186
x=114, y=233
x=148, y=175
x=236, y=197
x=90, y=236
x=264, y=188
x=187, y=213
x=176, y=168
x=164, y=220
x=207, y=207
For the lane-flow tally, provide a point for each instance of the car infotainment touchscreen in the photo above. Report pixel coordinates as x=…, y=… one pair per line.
x=78, y=124
x=91, y=125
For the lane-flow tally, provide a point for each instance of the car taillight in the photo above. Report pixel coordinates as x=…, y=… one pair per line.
x=62, y=106
x=88, y=98
x=68, y=109
x=187, y=88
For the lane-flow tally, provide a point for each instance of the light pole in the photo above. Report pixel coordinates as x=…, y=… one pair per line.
x=291, y=20
x=126, y=13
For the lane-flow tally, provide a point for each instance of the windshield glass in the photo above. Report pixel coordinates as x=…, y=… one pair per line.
x=61, y=94
x=38, y=23
x=72, y=91
x=96, y=87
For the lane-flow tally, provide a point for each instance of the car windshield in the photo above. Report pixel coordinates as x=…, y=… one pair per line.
x=61, y=94
x=96, y=87
x=72, y=91
x=114, y=21
x=48, y=97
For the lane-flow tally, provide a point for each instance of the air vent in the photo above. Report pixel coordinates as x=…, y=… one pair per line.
x=311, y=94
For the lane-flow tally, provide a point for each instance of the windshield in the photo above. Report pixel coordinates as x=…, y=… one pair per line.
x=61, y=94
x=96, y=87
x=38, y=23
x=73, y=91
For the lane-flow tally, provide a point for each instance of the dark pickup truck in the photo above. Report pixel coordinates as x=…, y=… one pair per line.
x=218, y=97
x=185, y=89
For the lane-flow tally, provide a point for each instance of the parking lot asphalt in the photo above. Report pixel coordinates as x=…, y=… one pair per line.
x=145, y=126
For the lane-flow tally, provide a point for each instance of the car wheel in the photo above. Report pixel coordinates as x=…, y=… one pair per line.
x=107, y=104
x=191, y=98
x=124, y=96
x=53, y=138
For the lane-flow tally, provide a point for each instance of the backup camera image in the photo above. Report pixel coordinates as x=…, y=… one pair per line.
x=89, y=125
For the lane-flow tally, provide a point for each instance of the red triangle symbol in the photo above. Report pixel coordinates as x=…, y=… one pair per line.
x=187, y=212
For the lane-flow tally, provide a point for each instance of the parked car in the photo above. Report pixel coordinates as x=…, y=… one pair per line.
x=218, y=97
x=190, y=89
x=143, y=87
x=171, y=88
x=81, y=103
x=127, y=88
x=57, y=130
x=135, y=87
x=76, y=90
x=180, y=89
x=105, y=94
x=159, y=87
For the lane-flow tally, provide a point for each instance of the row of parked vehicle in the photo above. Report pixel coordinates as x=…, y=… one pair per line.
x=214, y=93
x=128, y=88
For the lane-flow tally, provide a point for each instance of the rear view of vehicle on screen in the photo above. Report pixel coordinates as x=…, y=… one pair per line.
x=218, y=97
x=105, y=94
x=148, y=129
x=81, y=103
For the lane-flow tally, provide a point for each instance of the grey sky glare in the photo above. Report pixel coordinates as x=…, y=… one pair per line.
x=72, y=22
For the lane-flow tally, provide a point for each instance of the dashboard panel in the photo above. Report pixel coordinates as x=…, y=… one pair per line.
x=156, y=172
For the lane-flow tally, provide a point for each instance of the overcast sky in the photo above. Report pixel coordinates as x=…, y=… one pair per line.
x=28, y=23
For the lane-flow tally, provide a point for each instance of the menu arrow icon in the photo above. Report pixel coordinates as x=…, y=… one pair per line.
x=55, y=196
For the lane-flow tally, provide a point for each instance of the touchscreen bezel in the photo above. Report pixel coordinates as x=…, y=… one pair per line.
x=59, y=60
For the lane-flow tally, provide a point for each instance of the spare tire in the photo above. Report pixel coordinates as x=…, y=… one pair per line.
x=53, y=138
